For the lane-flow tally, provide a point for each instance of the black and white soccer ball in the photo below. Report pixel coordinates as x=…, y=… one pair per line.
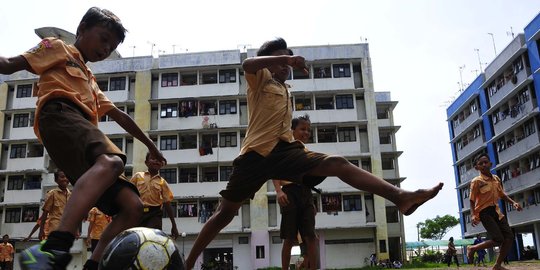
x=142, y=248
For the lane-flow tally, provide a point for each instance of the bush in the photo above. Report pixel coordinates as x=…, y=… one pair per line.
x=432, y=256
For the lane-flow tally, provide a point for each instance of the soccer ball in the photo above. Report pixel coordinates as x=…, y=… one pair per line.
x=142, y=248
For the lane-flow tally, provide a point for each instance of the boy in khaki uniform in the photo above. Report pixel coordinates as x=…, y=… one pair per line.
x=53, y=207
x=68, y=108
x=486, y=190
x=6, y=253
x=97, y=222
x=155, y=195
x=269, y=150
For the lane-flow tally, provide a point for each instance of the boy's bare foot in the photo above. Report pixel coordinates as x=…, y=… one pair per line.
x=470, y=255
x=416, y=198
x=499, y=267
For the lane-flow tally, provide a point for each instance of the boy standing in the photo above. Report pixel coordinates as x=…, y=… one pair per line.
x=68, y=108
x=97, y=222
x=269, y=150
x=297, y=208
x=6, y=253
x=55, y=202
x=155, y=195
x=486, y=190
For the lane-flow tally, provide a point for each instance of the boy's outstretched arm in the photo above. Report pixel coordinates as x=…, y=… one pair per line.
x=254, y=64
x=13, y=64
x=169, y=210
x=129, y=125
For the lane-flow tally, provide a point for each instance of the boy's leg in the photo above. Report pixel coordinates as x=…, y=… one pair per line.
x=221, y=218
x=88, y=189
x=508, y=238
x=311, y=246
x=286, y=253
x=128, y=217
x=406, y=201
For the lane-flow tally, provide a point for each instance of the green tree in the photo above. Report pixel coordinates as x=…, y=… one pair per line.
x=436, y=228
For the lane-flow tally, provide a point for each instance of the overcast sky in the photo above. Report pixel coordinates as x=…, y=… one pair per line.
x=416, y=50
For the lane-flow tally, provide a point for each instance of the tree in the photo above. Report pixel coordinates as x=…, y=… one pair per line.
x=436, y=228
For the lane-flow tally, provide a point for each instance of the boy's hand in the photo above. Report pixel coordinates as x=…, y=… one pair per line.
x=474, y=221
x=517, y=206
x=282, y=198
x=298, y=62
x=174, y=232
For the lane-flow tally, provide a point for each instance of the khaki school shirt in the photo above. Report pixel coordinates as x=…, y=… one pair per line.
x=269, y=113
x=154, y=190
x=64, y=74
x=6, y=252
x=99, y=222
x=486, y=191
x=55, y=202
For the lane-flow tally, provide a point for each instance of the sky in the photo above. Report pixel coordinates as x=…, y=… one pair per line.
x=417, y=48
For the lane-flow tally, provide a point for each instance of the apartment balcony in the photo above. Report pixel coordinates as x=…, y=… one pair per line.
x=509, y=87
x=388, y=147
x=18, y=230
x=522, y=182
x=470, y=148
x=321, y=84
x=330, y=116
x=197, y=190
x=466, y=204
x=473, y=231
x=331, y=220
x=384, y=123
x=341, y=148
x=193, y=225
x=519, y=148
x=202, y=90
x=110, y=128
x=390, y=174
x=192, y=156
x=22, y=196
x=394, y=229
x=196, y=122
x=22, y=133
x=468, y=176
x=118, y=96
x=333, y=184
x=25, y=164
x=528, y=215
x=23, y=103
x=511, y=120
x=469, y=121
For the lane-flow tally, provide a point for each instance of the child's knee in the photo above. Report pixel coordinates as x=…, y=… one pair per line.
x=111, y=163
x=336, y=161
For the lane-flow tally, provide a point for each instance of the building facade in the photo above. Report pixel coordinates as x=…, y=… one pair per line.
x=498, y=115
x=193, y=106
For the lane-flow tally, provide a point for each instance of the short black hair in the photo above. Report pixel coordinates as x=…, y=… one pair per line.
x=103, y=17
x=478, y=157
x=271, y=46
x=57, y=174
x=299, y=118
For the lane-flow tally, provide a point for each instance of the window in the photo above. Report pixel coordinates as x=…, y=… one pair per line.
x=331, y=202
x=20, y=120
x=321, y=72
x=209, y=140
x=227, y=76
x=227, y=107
x=169, y=79
x=189, y=78
x=30, y=213
x=224, y=173
x=342, y=70
x=326, y=134
x=208, y=77
x=13, y=215
x=188, y=141
x=119, y=142
x=15, y=182
x=243, y=240
x=32, y=182
x=259, y=252
x=188, y=175
x=227, y=139
x=103, y=85
x=168, y=142
x=382, y=113
x=169, y=175
x=24, y=90
x=118, y=83
x=392, y=214
x=352, y=202
x=187, y=209
x=366, y=165
x=207, y=107
x=303, y=103
x=18, y=151
x=32, y=117
x=387, y=163
x=209, y=174
x=382, y=246
x=207, y=210
x=188, y=108
x=324, y=103
x=385, y=138
x=344, y=102
x=169, y=110
x=347, y=134
x=35, y=149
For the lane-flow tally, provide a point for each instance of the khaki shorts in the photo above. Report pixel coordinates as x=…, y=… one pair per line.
x=497, y=229
x=287, y=161
x=74, y=144
x=299, y=215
